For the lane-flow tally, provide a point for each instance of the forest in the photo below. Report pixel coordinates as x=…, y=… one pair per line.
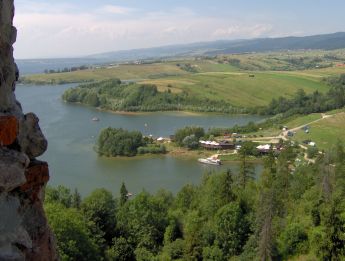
x=281, y=214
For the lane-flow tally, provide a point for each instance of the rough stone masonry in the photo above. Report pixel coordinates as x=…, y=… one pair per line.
x=24, y=231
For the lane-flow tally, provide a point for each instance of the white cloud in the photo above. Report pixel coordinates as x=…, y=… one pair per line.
x=244, y=31
x=72, y=34
x=31, y=6
x=115, y=9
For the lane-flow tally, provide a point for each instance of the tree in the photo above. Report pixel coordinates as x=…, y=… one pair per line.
x=227, y=187
x=232, y=229
x=120, y=250
x=76, y=199
x=99, y=207
x=332, y=240
x=191, y=142
x=92, y=99
x=123, y=194
x=264, y=217
x=60, y=194
x=246, y=172
x=293, y=240
x=143, y=254
x=118, y=142
x=181, y=134
x=173, y=250
x=73, y=232
x=312, y=152
x=213, y=253
x=193, y=236
x=185, y=198
x=143, y=221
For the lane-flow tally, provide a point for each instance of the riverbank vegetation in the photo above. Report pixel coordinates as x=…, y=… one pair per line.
x=227, y=93
x=225, y=83
x=291, y=212
x=189, y=136
x=118, y=142
x=115, y=96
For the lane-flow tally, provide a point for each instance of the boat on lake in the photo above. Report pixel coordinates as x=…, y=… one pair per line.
x=211, y=161
x=95, y=119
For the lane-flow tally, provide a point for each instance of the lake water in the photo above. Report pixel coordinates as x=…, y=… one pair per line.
x=71, y=134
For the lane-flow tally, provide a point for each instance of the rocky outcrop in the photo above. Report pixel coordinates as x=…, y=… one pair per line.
x=8, y=130
x=24, y=230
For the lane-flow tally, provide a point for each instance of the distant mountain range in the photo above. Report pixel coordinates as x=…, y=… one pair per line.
x=324, y=42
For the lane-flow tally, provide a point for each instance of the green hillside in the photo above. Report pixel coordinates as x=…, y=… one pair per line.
x=238, y=88
x=237, y=82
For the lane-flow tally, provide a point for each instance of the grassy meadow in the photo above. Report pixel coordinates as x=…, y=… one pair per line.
x=239, y=89
x=326, y=132
x=242, y=80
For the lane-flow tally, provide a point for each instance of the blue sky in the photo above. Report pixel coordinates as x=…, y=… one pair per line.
x=81, y=27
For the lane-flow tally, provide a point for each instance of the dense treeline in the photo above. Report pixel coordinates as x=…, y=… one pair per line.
x=67, y=69
x=119, y=142
x=189, y=136
x=303, y=103
x=288, y=212
x=276, y=62
x=117, y=96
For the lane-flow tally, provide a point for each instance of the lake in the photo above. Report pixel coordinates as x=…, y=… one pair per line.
x=72, y=134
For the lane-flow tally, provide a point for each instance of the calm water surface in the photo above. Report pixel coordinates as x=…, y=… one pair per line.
x=71, y=134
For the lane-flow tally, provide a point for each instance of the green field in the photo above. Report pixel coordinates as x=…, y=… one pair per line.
x=326, y=132
x=242, y=80
x=124, y=72
x=302, y=120
x=241, y=90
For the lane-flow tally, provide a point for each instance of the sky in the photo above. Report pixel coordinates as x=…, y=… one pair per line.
x=74, y=28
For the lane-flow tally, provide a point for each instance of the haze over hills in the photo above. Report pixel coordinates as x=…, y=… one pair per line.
x=324, y=42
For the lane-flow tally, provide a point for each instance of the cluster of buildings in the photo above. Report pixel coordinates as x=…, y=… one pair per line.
x=265, y=149
x=213, y=145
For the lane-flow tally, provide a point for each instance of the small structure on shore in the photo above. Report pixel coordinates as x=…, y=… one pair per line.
x=213, y=145
x=160, y=139
x=267, y=148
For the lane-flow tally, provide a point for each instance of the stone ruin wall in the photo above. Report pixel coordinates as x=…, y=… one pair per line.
x=24, y=231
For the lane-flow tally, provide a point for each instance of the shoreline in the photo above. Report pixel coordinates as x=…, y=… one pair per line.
x=185, y=154
x=182, y=112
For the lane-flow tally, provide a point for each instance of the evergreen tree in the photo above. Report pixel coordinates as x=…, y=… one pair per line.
x=76, y=199
x=227, y=187
x=246, y=172
x=123, y=194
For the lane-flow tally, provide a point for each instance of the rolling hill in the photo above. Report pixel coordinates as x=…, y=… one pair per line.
x=323, y=42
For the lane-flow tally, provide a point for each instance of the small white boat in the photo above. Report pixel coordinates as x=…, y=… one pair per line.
x=95, y=119
x=211, y=161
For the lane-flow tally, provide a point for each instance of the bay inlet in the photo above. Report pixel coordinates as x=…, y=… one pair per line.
x=72, y=134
